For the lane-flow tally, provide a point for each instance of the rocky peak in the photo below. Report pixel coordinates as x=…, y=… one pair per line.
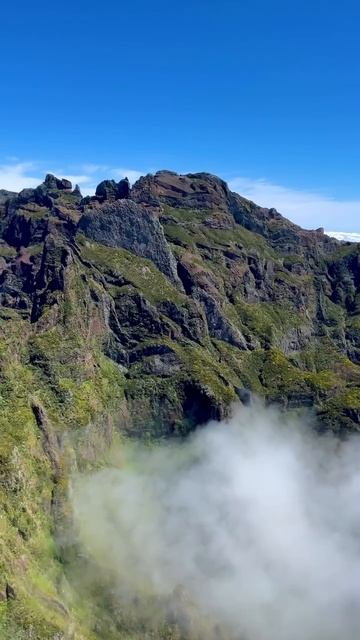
x=204, y=191
x=52, y=182
x=111, y=190
x=193, y=190
x=6, y=195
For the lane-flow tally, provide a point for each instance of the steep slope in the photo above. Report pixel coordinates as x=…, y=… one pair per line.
x=145, y=312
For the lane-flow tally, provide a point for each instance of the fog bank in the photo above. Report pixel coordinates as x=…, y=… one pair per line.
x=258, y=518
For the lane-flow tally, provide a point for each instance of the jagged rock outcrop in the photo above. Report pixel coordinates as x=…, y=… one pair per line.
x=111, y=190
x=51, y=183
x=193, y=191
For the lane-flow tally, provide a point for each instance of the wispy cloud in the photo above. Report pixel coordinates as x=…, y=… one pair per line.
x=87, y=183
x=132, y=174
x=310, y=209
x=93, y=168
x=15, y=176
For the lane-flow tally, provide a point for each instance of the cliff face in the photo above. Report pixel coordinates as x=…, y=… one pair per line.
x=147, y=311
x=195, y=292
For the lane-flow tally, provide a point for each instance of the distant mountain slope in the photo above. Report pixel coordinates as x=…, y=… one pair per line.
x=148, y=311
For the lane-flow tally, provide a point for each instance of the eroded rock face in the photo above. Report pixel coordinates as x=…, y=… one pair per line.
x=5, y=196
x=127, y=225
x=134, y=317
x=189, y=317
x=219, y=325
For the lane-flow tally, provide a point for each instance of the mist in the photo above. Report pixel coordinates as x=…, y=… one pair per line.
x=257, y=518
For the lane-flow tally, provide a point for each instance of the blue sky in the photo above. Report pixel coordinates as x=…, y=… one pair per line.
x=264, y=93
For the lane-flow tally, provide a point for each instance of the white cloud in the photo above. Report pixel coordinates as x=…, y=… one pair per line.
x=344, y=235
x=310, y=209
x=253, y=521
x=132, y=174
x=93, y=168
x=18, y=175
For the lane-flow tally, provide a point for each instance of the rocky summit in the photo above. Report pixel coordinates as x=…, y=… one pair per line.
x=143, y=312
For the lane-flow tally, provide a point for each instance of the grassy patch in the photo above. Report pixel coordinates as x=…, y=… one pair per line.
x=140, y=272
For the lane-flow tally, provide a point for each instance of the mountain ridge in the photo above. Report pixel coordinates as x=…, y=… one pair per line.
x=144, y=312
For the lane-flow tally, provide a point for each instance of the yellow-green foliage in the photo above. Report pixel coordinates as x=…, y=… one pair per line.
x=180, y=235
x=190, y=229
x=6, y=251
x=26, y=550
x=239, y=236
x=63, y=369
x=271, y=373
x=343, y=410
x=33, y=211
x=73, y=377
x=186, y=215
x=203, y=365
x=140, y=272
x=268, y=321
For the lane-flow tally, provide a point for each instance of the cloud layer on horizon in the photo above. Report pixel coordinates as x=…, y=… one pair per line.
x=345, y=236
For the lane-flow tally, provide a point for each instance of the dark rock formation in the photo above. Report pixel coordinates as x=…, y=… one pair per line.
x=219, y=325
x=51, y=183
x=190, y=318
x=10, y=592
x=111, y=190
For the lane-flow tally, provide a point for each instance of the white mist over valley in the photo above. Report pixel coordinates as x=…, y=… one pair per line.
x=257, y=519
